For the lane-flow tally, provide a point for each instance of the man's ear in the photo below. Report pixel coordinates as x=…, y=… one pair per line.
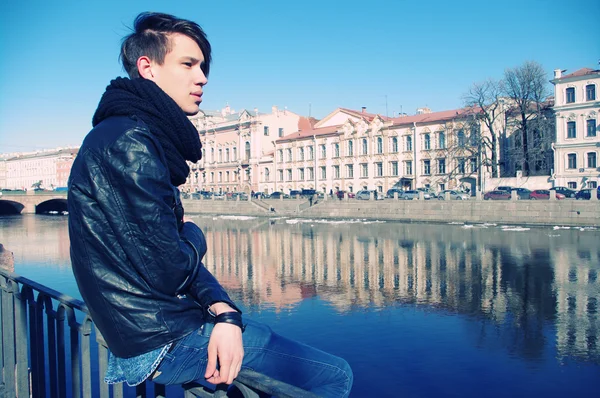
x=144, y=66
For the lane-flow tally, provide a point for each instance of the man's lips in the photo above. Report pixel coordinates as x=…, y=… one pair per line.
x=197, y=95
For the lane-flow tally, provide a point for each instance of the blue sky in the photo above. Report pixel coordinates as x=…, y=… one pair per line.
x=308, y=56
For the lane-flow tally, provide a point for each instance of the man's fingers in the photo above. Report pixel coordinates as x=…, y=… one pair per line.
x=211, y=366
x=225, y=367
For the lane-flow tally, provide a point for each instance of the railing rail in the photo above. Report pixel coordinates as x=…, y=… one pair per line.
x=64, y=355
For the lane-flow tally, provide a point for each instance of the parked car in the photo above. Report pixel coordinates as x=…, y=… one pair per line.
x=260, y=195
x=432, y=195
x=543, y=194
x=294, y=193
x=454, y=195
x=522, y=193
x=219, y=196
x=410, y=195
x=568, y=192
x=306, y=193
x=340, y=194
x=390, y=192
x=278, y=195
x=365, y=194
x=497, y=195
x=586, y=194
x=241, y=195
x=504, y=188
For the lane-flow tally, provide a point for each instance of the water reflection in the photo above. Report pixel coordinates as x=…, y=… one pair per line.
x=524, y=282
x=527, y=291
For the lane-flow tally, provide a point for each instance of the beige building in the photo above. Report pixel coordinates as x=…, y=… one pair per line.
x=577, y=144
x=233, y=146
x=353, y=150
x=51, y=167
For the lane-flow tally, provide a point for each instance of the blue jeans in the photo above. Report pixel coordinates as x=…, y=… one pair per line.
x=265, y=352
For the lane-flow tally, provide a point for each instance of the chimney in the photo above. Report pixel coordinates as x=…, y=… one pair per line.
x=363, y=109
x=274, y=110
x=557, y=73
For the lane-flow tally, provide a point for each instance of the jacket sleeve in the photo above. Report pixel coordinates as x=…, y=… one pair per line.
x=140, y=206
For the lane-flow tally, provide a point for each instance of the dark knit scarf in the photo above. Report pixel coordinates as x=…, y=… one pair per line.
x=165, y=119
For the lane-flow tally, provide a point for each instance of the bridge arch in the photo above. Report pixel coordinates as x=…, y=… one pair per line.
x=56, y=206
x=10, y=207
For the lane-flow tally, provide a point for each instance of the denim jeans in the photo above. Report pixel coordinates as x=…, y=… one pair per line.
x=265, y=352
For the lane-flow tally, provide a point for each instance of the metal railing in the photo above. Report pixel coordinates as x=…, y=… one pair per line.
x=51, y=348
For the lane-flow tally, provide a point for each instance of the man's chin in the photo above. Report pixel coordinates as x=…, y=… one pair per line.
x=191, y=111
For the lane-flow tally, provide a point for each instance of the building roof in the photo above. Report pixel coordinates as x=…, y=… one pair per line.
x=432, y=117
x=309, y=133
x=364, y=115
x=581, y=72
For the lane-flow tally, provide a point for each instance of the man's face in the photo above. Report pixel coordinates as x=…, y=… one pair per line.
x=180, y=75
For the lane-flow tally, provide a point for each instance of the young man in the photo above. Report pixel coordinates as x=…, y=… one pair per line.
x=136, y=261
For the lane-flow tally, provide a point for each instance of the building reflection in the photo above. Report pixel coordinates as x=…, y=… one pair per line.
x=519, y=284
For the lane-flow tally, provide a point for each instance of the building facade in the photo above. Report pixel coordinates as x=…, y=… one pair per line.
x=354, y=150
x=577, y=144
x=234, y=144
x=49, y=168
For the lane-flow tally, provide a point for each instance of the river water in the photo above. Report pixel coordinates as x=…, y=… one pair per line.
x=418, y=310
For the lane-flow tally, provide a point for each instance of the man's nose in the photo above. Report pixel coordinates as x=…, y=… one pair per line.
x=201, y=78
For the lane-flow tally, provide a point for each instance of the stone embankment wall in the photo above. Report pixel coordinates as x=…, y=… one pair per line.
x=522, y=212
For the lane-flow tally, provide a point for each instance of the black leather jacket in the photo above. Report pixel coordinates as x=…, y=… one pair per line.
x=137, y=264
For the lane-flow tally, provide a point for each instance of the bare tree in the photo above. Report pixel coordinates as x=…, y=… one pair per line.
x=527, y=87
x=485, y=99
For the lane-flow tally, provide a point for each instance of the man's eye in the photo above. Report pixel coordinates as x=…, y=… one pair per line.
x=188, y=64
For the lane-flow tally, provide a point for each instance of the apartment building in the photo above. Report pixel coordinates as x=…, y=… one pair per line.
x=353, y=150
x=577, y=144
x=51, y=167
x=234, y=144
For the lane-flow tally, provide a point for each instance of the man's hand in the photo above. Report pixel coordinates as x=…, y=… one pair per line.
x=225, y=345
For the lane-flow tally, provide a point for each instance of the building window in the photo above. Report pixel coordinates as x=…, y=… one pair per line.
x=461, y=166
x=592, y=184
x=280, y=133
x=408, y=167
x=364, y=170
x=227, y=154
x=591, y=160
x=461, y=138
x=323, y=151
x=226, y=176
x=394, y=168
x=590, y=92
x=350, y=148
x=266, y=130
x=220, y=176
x=571, y=161
x=442, y=140
x=311, y=153
x=349, y=171
x=365, y=147
x=473, y=165
x=212, y=154
x=379, y=145
x=395, y=144
x=234, y=153
x=591, y=127
x=247, y=151
x=336, y=171
x=323, y=172
x=289, y=154
x=336, y=150
x=408, y=143
x=289, y=174
x=427, y=142
x=570, y=95
x=212, y=176
x=301, y=174
x=280, y=175
x=311, y=173
x=379, y=169
x=220, y=155
x=427, y=167
x=571, y=130
x=442, y=166
x=280, y=155
x=300, y=154
x=267, y=175
x=572, y=185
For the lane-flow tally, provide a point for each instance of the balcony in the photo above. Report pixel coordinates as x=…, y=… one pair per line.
x=50, y=347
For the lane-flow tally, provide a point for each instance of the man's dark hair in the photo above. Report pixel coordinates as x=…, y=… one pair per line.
x=150, y=37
